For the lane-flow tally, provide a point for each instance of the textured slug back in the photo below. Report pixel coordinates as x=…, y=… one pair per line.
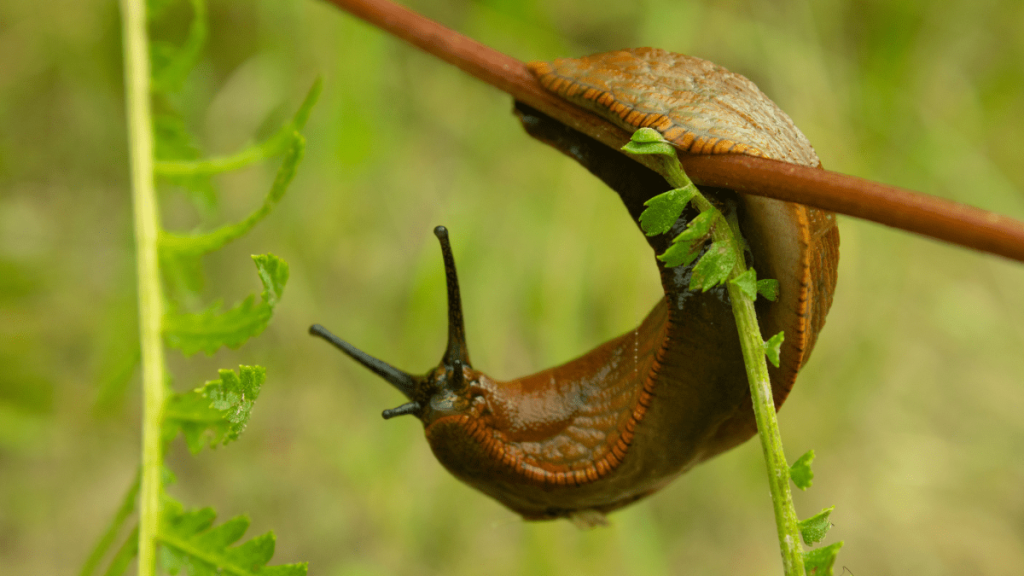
x=698, y=106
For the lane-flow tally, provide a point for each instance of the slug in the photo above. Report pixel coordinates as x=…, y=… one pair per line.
x=618, y=423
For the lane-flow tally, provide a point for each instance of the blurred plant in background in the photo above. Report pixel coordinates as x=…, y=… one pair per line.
x=912, y=397
x=149, y=522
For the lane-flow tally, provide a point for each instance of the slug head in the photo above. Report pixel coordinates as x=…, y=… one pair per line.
x=443, y=390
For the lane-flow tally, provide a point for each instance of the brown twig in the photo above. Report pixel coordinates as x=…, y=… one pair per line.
x=889, y=205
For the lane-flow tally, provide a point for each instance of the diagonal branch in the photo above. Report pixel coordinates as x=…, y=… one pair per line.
x=897, y=207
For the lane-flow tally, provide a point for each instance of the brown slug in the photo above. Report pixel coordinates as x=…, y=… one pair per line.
x=620, y=422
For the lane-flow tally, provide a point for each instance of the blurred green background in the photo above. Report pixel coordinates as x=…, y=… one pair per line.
x=913, y=398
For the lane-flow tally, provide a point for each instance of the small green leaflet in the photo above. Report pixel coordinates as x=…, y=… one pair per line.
x=814, y=528
x=217, y=412
x=769, y=288
x=190, y=542
x=664, y=209
x=199, y=423
x=700, y=227
x=714, y=267
x=235, y=394
x=209, y=330
x=273, y=274
x=649, y=141
x=819, y=562
x=800, y=472
x=680, y=254
x=687, y=245
x=748, y=283
x=773, y=347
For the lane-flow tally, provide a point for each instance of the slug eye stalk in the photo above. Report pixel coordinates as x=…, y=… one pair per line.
x=404, y=382
x=456, y=356
x=449, y=376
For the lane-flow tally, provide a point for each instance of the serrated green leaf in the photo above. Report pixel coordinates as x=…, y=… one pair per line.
x=215, y=413
x=713, y=267
x=174, y=246
x=814, y=528
x=190, y=542
x=769, y=288
x=274, y=274
x=649, y=141
x=687, y=245
x=234, y=395
x=664, y=209
x=680, y=253
x=200, y=424
x=700, y=226
x=213, y=328
x=773, y=347
x=747, y=283
x=209, y=330
x=800, y=472
x=820, y=561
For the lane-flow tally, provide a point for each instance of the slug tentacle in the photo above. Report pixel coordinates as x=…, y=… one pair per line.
x=407, y=408
x=405, y=383
x=456, y=356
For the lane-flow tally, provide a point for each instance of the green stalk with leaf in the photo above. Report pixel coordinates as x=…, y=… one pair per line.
x=217, y=412
x=723, y=262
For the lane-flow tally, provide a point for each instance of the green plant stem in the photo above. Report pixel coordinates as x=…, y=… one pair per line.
x=135, y=46
x=760, y=385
